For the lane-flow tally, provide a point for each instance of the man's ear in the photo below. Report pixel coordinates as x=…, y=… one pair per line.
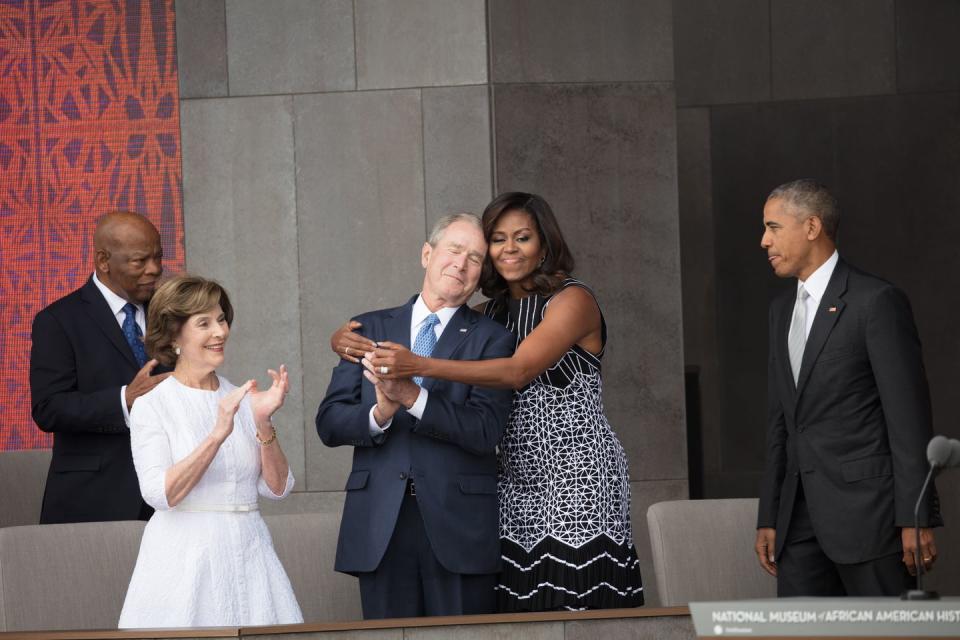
x=101, y=261
x=814, y=227
x=425, y=254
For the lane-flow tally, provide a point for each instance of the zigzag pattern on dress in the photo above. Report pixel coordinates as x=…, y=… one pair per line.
x=558, y=576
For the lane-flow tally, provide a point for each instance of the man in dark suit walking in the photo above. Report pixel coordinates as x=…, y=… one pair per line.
x=87, y=366
x=849, y=416
x=420, y=522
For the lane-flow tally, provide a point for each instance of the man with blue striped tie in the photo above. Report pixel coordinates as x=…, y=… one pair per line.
x=419, y=525
x=87, y=366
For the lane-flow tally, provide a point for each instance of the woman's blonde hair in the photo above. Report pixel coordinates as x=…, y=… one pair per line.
x=172, y=305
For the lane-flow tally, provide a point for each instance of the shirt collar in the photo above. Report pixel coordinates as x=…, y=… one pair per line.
x=816, y=284
x=115, y=302
x=421, y=311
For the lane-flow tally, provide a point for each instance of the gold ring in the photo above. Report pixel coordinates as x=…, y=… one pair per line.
x=927, y=559
x=346, y=350
x=384, y=370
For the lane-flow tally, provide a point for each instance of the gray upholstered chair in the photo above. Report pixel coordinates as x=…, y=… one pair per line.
x=23, y=475
x=75, y=576
x=66, y=576
x=306, y=544
x=703, y=551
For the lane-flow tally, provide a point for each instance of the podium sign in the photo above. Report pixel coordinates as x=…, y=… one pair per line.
x=847, y=617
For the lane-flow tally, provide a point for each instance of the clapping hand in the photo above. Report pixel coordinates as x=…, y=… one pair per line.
x=265, y=403
x=227, y=409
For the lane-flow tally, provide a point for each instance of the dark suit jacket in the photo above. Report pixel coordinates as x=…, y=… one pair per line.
x=855, y=426
x=450, y=453
x=78, y=362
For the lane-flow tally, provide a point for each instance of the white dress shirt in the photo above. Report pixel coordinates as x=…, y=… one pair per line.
x=816, y=286
x=116, y=304
x=417, y=317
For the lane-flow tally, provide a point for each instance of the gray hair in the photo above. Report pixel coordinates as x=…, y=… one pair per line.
x=444, y=222
x=813, y=199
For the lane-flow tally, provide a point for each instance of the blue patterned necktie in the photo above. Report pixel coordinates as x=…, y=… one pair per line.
x=426, y=341
x=131, y=331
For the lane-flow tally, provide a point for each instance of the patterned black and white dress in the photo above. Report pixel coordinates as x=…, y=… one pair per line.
x=564, y=486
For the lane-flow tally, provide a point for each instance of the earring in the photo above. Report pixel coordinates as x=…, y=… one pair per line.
x=176, y=350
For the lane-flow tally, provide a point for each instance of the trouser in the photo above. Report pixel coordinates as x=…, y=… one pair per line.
x=803, y=569
x=411, y=582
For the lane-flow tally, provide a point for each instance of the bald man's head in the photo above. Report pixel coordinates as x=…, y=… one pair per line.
x=128, y=256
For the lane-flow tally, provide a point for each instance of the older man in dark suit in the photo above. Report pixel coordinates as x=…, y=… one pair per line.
x=849, y=416
x=87, y=366
x=419, y=526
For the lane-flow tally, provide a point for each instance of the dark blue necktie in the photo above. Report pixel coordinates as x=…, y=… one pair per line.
x=426, y=341
x=131, y=331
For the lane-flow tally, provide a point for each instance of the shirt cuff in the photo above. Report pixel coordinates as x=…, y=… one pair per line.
x=420, y=405
x=123, y=405
x=376, y=429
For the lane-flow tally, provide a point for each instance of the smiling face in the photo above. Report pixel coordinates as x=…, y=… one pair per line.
x=202, y=339
x=515, y=247
x=788, y=238
x=453, y=265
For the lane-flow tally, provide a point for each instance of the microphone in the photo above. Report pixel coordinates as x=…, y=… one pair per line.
x=942, y=453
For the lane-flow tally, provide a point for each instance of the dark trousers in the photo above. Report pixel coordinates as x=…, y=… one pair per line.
x=411, y=582
x=803, y=569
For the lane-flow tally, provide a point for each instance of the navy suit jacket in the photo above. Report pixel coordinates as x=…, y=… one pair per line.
x=856, y=424
x=450, y=452
x=78, y=362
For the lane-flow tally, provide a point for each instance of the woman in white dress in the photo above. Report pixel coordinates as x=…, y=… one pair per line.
x=204, y=449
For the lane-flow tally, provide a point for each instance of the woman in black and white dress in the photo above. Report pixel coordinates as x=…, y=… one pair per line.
x=564, y=485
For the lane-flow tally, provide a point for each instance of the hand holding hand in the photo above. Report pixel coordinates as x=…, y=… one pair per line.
x=386, y=408
x=349, y=345
x=403, y=391
x=928, y=548
x=765, y=547
x=227, y=409
x=143, y=382
x=399, y=361
x=265, y=403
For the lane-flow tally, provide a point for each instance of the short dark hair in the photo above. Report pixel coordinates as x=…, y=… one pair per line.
x=172, y=305
x=558, y=260
x=814, y=199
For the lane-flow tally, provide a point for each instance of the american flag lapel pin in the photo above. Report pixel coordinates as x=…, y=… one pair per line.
x=463, y=330
x=832, y=310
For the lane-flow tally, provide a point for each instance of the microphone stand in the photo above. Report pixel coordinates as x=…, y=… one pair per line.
x=919, y=593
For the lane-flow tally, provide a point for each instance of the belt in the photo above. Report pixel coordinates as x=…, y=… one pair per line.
x=218, y=508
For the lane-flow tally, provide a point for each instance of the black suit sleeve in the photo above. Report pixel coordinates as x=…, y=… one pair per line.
x=776, y=453
x=896, y=357
x=57, y=402
x=476, y=425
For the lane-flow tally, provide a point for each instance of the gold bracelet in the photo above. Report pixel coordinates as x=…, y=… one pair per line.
x=269, y=440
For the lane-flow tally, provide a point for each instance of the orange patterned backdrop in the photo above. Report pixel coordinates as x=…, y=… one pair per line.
x=89, y=122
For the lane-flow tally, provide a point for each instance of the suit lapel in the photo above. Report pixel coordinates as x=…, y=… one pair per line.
x=456, y=331
x=829, y=310
x=398, y=329
x=97, y=308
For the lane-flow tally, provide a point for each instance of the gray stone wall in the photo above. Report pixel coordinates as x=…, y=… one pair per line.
x=863, y=95
x=322, y=138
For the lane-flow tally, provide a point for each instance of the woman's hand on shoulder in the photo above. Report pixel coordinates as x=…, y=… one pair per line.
x=348, y=344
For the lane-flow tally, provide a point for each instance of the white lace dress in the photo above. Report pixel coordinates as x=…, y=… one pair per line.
x=209, y=561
